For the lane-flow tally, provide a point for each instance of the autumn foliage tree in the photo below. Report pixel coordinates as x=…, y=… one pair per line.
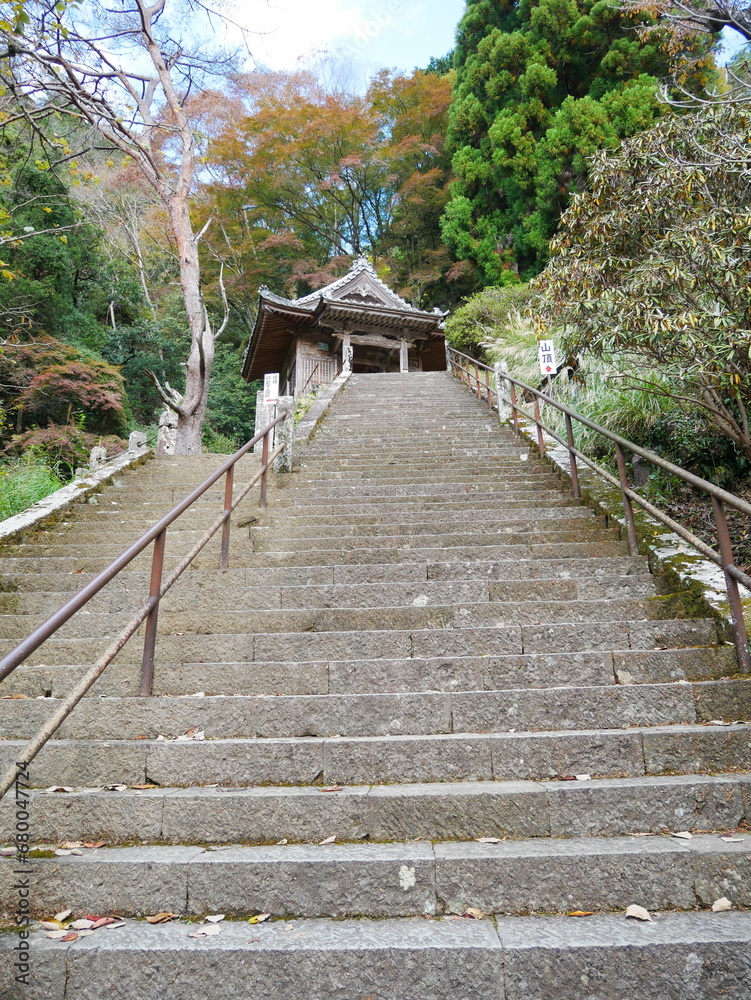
x=128, y=70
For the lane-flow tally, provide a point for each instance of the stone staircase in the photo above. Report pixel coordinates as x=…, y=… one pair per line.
x=416, y=650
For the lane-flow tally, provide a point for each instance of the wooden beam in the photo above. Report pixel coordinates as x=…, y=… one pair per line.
x=374, y=340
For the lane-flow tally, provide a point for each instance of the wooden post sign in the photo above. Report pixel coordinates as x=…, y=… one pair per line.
x=271, y=388
x=546, y=354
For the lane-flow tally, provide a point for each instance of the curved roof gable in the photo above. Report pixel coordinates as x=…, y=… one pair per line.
x=360, y=286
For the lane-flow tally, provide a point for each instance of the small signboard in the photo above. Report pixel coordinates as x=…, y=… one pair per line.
x=546, y=353
x=271, y=388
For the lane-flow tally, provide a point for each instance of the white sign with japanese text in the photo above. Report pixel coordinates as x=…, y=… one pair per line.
x=546, y=353
x=271, y=388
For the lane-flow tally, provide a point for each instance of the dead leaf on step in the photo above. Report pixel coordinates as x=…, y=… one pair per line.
x=116, y=788
x=68, y=845
x=208, y=930
x=721, y=905
x=732, y=840
x=162, y=918
x=63, y=915
x=139, y=788
x=52, y=925
x=581, y=913
x=638, y=913
x=68, y=936
x=102, y=922
x=82, y=924
x=214, y=918
x=280, y=842
x=86, y=932
x=332, y=788
x=59, y=935
x=328, y=840
x=489, y=840
x=683, y=835
x=259, y=919
x=112, y=927
x=61, y=852
x=92, y=845
x=474, y=913
x=7, y=852
x=58, y=788
x=583, y=777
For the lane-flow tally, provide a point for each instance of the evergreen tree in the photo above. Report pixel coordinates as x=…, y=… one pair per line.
x=541, y=85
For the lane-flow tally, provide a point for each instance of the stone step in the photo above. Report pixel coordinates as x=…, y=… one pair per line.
x=387, y=595
x=61, y=574
x=410, y=713
x=393, y=880
x=341, y=760
x=385, y=813
x=465, y=673
x=421, y=615
x=396, y=644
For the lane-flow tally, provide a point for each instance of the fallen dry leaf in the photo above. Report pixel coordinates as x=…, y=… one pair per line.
x=94, y=845
x=140, y=788
x=7, y=852
x=68, y=936
x=116, y=788
x=56, y=935
x=583, y=777
x=102, y=922
x=58, y=788
x=52, y=925
x=489, y=840
x=162, y=918
x=474, y=913
x=332, y=788
x=207, y=931
x=280, y=842
x=214, y=918
x=328, y=840
x=732, y=840
x=638, y=913
x=82, y=925
x=259, y=919
x=68, y=845
x=683, y=835
x=85, y=932
x=63, y=914
x=581, y=913
x=112, y=927
x=721, y=905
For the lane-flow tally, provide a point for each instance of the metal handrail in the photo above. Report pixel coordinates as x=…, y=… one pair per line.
x=720, y=498
x=149, y=611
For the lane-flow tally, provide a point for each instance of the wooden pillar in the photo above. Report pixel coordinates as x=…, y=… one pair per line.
x=403, y=356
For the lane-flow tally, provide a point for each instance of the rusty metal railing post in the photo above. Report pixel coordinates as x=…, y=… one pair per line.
x=734, y=597
x=572, y=458
x=633, y=544
x=514, y=411
x=477, y=381
x=149, y=639
x=264, y=466
x=229, y=484
x=540, y=435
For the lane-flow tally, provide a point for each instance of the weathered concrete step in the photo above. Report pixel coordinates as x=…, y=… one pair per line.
x=451, y=538
x=19, y=575
x=463, y=673
x=697, y=955
x=555, y=518
x=411, y=713
x=396, y=645
x=230, y=598
x=421, y=615
x=341, y=760
x=392, y=880
x=461, y=811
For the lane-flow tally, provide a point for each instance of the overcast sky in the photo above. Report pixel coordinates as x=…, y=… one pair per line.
x=398, y=34
x=401, y=34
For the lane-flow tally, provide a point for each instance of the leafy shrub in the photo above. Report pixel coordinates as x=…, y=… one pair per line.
x=490, y=315
x=62, y=447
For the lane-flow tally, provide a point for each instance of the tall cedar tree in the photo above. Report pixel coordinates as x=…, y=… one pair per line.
x=541, y=85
